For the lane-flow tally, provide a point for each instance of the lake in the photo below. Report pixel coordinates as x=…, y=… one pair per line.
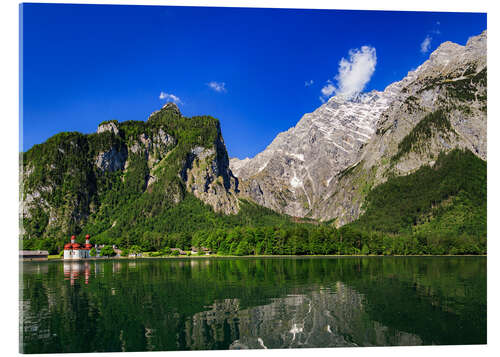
x=237, y=303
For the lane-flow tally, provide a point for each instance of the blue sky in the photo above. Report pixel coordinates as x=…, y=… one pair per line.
x=256, y=70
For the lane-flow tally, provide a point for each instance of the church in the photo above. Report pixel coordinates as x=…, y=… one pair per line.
x=74, y=250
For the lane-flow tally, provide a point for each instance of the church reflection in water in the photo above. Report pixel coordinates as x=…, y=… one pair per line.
x=74, y=270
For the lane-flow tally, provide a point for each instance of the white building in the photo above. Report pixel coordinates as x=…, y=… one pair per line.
x=74, y=250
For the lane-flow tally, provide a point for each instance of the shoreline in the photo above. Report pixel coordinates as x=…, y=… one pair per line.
x=214, y=256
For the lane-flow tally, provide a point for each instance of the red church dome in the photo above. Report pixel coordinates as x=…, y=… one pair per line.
x=75, y=246
x=88, y=246
x=67, y=246
x=87, y=236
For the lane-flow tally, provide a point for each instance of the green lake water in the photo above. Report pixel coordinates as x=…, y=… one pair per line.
x=235, y=303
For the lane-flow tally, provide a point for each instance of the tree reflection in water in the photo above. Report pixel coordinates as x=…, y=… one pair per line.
x=182, y=304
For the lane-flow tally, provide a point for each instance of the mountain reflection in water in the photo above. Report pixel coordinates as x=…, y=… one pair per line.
x=182, y=304
x=322, y=318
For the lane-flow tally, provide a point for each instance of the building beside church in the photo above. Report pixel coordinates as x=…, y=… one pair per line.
x=28, y=255
x=74, y=250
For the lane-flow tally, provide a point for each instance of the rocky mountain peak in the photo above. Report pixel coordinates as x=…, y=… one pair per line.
x=445, y=51
x=453, y=60
x=298, y=166
x=108, y=126
x=171, y=106
x=478, y=41
x=299, y=172
x=168, y=107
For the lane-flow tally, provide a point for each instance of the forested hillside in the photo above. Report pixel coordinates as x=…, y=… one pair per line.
x=436, y=210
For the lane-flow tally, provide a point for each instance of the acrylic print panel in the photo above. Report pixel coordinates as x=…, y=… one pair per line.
x=234, y=178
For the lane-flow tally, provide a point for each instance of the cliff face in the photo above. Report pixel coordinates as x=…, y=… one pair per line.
x=69, y=180
x=300, y=165
x=207, y=175
x=325, y=165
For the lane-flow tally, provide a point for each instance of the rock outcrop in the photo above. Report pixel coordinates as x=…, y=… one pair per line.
x=207, y=175
x=111, y=160
x=110, y=126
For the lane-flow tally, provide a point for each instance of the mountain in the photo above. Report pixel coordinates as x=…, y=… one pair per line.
x=403, y=171
x=129, y=178
x=298, y=167
x=326, y=165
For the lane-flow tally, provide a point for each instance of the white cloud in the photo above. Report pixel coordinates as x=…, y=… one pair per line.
x=436, y=30
x=426, y=44
x=218, y=86
x=357, y=71
x=308, y=83
x=171, y=97
x=354, y=73
x=328, y=89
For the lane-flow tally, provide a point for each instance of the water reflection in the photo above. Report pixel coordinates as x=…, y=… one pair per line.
x=73, y=270
x=323, y=318
x=148, y=305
